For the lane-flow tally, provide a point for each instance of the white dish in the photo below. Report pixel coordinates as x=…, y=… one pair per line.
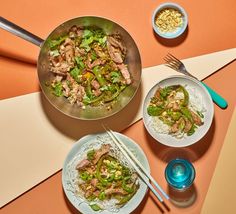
x=69, y=172
x=168, y=139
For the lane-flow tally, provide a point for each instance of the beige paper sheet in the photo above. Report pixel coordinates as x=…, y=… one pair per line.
x=221, y=193
x=35, y=138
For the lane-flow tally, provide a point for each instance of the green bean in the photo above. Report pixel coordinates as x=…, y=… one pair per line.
x=95, y=207
x=186, y=112
x=101, y=196
x=104, y=182
x=87, y=100
x=186, y=95
x=127, y=188
x=111, y=95
x=98, y=75
x=126, y=198
x=192, y=130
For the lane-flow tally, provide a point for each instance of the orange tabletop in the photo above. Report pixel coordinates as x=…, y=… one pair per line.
x=211, y=28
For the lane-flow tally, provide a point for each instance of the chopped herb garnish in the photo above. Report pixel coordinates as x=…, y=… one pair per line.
x=115, y=77
x=75, y=72
x=54, y=43
x=57, y=89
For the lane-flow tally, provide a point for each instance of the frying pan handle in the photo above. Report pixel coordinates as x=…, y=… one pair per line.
x=18, y=31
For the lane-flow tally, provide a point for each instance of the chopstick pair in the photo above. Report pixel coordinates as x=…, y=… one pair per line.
x=137, y=166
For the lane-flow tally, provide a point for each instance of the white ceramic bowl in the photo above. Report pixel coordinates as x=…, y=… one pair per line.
x=179, y=30
x=69, y=173
x=200, y=90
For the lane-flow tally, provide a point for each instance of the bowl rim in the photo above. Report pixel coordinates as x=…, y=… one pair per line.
x=210, y=106
x=170, y=5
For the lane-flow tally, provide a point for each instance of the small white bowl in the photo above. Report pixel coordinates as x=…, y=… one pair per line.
x=179, y=30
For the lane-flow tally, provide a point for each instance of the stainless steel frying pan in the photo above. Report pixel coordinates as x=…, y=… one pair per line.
x=90, y=113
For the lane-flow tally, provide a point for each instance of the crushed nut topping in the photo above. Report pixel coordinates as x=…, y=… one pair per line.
x=168, y=20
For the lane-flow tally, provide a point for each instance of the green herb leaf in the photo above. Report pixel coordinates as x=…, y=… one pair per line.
x=86, y=100
x=164, y=92
x=58, y=89
x=115, y=77
x=75, y=72
x=104, y=88
x=154, y=110
x=54, y=53
x=102, y=40
x=87, y=33
x=86, y=42
x=54, y=43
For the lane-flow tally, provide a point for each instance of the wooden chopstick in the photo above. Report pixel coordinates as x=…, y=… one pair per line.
x=132, y=159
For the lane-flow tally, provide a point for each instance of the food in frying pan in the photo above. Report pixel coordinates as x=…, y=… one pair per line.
x=88, y=66
x=176, y=110
x=103, y=180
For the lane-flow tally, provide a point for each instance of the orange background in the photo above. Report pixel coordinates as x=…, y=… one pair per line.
x=211, y=28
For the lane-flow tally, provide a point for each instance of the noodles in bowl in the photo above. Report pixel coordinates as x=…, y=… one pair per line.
x=97, y=177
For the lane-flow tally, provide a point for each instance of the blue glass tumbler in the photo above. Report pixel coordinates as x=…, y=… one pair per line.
x=180, y=174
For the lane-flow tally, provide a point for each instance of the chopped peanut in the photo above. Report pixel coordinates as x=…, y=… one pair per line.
x=168, y=20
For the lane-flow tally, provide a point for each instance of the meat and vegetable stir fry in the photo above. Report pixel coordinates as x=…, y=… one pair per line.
x=89, y=66
x=103, y=177
x=171, y=105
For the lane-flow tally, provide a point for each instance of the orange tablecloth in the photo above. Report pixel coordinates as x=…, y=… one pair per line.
x=211, y=28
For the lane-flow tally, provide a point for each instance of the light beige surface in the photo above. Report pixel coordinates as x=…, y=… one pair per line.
x=36, y=138
x=221, y=194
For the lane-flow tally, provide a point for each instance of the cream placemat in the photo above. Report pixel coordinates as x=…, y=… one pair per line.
x=35, y=137
x=221, y=193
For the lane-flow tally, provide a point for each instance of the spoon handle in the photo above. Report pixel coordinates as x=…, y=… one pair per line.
x=218, y=100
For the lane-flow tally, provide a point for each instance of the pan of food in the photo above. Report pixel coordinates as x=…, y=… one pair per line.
x=88, y=67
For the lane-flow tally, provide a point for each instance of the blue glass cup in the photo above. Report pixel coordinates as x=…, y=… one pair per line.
x=180, y=174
